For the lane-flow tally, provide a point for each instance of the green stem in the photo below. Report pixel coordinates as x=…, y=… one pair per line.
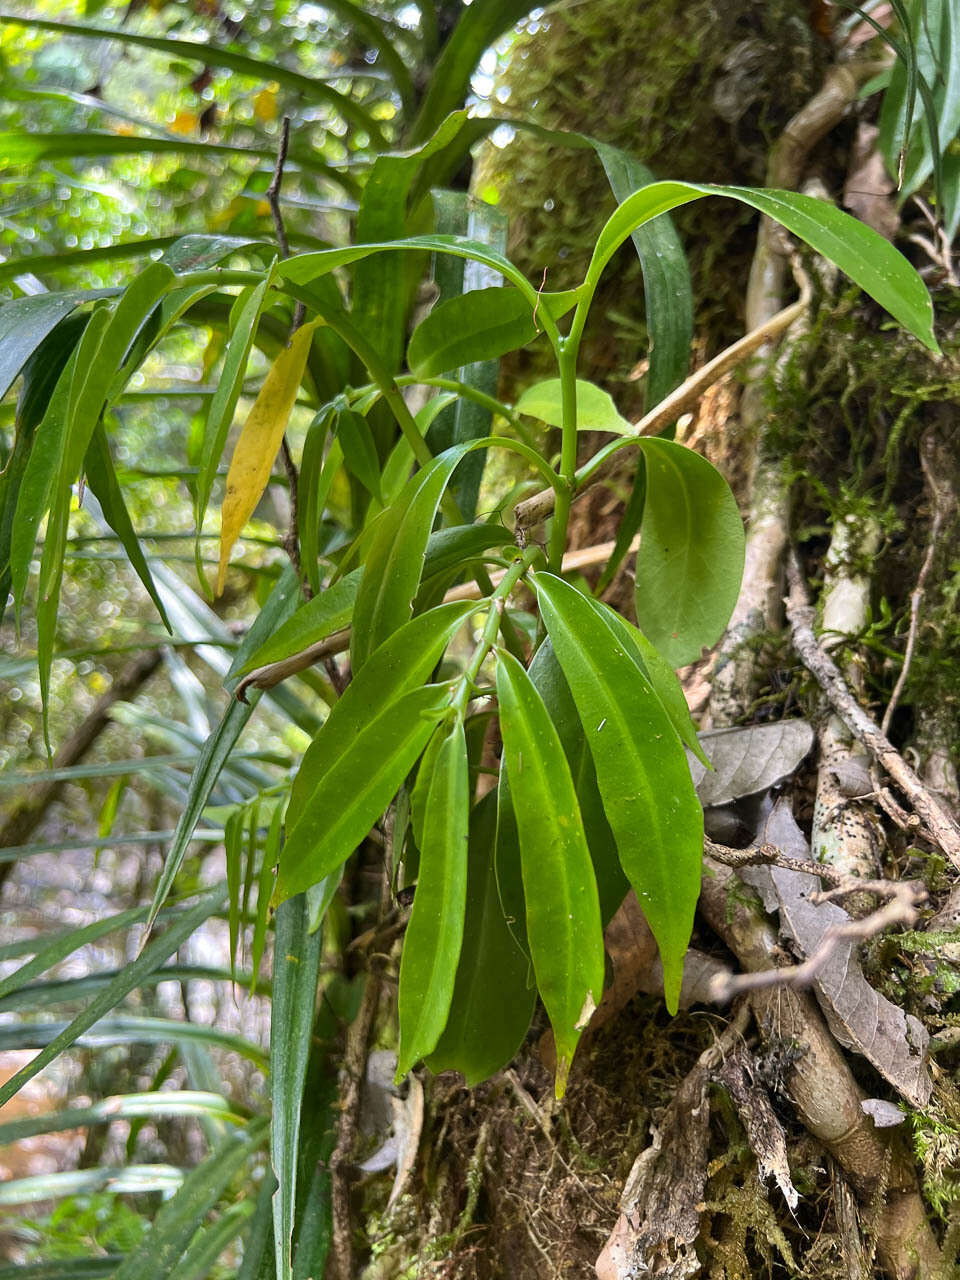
x=567, y=361
x=495, y=618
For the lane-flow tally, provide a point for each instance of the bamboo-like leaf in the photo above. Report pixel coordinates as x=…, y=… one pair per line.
x=178, y=1102
x=216, y=751
x=562, y=908
x=862, y=254
x=175, y=1225
x=127, y=1030
x=358, y=787
x=359, y=450
x=259, y=442
x=271, y=854
x=595, y=408
x=68, y=1269
x=400, y=665
x=126, y=1179
x=24, y=323
x=211, y=1241
x=493, y=997
x=431, y=946
x=296, y=966
x=233, y=851
x=690, y=558
x=641, y=768
x=316, y=477
x=394, y=562
x=147, y=962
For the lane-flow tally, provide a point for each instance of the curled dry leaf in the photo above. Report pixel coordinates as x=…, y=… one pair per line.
x=764, y=1131
x=860, y=1018
x=748, y=760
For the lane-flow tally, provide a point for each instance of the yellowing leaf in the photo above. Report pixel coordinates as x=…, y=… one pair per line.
x=265, y=104
x=259, y=442
x=184, y=122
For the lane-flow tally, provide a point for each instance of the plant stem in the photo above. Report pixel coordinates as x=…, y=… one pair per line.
x=567, y=361
x=488, y=638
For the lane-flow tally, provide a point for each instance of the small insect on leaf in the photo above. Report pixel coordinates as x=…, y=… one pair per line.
x=259, y=441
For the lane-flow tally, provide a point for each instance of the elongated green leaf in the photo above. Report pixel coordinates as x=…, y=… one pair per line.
x=41, y=263
x=476, y=31
x=563, y=911
x=312, y=88
x=493, y=998
x=147, y=962
x=359, y=450
x=211, y=1241
x=67, y=1269
x=271, y=854
x=176, y=1222
x=130, y=1030
x=548, y=679
x=193, y=252
x=400, y=665
x=394, y=562
x=257, y=1260
x=179, y=1102
x=358, y=787
x=24, y=323
x=690, y=558
x=857, y=250
x=102, y=479
x=595, y=408
x=483, y=324
x=315, y=481
x=127, y=1179
x=303, y=268
x=431, y=947
x=296, y=966
x=642, y=771
x=661, y=675
x=327, y=612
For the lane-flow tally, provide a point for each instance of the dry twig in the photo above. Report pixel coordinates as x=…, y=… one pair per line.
x=942, y=827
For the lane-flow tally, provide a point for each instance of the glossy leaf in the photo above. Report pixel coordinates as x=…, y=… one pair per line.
x=296, y=968
x=431, y=946
x=483, y=324
x=358, y=787
x=259, y=442
x=690, y=558
x=642, y=771
x=161, y=1103
x=548, y=679
x=359, y=450
x=595, y=408
x=24, y=323
x=493, y=996
x=402, y=664
x=562, y=908
x=329, y=611
x=394, y=561
x=862, y=254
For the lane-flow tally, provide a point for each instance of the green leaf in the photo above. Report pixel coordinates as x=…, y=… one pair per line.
x=217, y=749
x=69, y=1269
x=127, y=1179
x=394, y=562
x=642, y=770
x=667, y=293
x=146, y=963
x=102, y=479
x=174, y=1227
x=160, y=1104
x=211, y=1241
x=483, y=324
x=400, y=665
x=862, y=254
x=562, y=908
x=431, y=946
x=271, y=854
x=358, y=787
x=690, y=558
x=24, y=323
x=359, y=450
x=194, y=252
x=130, y=1030
x=548, y=679
x=329, y=611
x=595, y=408
x=296, y=969
x=316, y=476
x=493, y=998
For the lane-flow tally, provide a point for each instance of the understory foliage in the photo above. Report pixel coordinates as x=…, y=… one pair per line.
x=473, y=731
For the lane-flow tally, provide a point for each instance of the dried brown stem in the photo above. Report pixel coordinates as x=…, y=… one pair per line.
x=942, y=827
